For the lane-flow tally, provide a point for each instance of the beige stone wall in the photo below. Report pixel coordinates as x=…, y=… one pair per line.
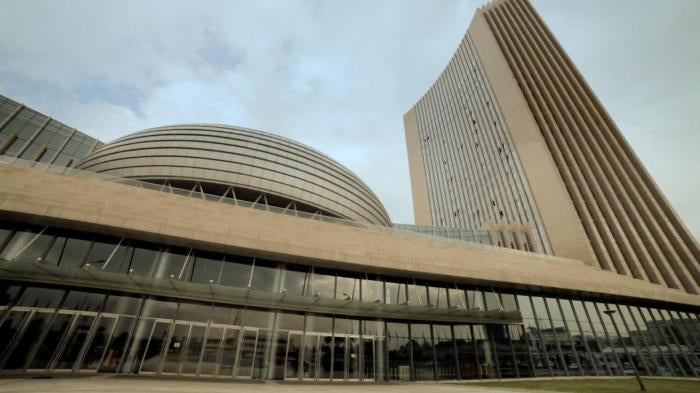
x=419, y=188
x=92, y=204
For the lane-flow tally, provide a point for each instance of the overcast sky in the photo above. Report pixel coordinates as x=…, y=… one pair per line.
x=339, y=76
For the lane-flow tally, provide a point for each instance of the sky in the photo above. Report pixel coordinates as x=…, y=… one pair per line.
x=339, y=76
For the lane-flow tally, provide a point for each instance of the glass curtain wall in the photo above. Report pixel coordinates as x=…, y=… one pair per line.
x=66, y=330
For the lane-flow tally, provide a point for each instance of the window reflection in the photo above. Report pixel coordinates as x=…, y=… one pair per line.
x=236, y=271
x=296, y=280
x=143, y=259
x=475, y=300
x=100, y=251
x=457, y=298
x=171, y=263
x=395, y=292
x=207, y=268
x=322, y=283
x=266, y=276
x=372, y=290
x=18, y=242
x=347, y=288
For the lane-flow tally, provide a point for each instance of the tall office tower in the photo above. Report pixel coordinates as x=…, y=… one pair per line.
x=511, y=138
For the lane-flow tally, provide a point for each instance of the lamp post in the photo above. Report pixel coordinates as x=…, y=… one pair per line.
x=610, y=313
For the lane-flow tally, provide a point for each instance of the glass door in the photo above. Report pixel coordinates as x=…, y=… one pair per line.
x=97, y=344
x=246, y=357
x=339, y=357
x=228, y=351
x=150, y=363
x=195, y=345
x=51, y=341
x=11, y=331
x=310, y=354
x=325, y=356
x=353, y=358
x=117, y=346
x=293, y=357
x=175, y=348
x=212, y=347
x=368, y=358
x=77, y=339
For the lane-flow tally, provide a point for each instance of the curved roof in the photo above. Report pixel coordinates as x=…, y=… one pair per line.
x=241, y=157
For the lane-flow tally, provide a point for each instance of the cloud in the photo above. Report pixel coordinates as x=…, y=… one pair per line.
x=337, y=76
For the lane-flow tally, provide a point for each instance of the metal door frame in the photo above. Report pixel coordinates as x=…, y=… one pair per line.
x=236, y=373
x=360, y=359
x=115, y=318
x=169, y=340
x=61, y=342
x=373, y=340
x=219, y=349
x=187, y=347
x=71, y=330
x=238, y=330
x=148, y=345
x=301, y=352
x=316, y=356
x=29, y=314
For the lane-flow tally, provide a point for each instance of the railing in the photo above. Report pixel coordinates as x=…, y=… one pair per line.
x=480, y=240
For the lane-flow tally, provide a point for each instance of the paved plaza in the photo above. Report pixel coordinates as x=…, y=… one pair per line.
x=111, y=384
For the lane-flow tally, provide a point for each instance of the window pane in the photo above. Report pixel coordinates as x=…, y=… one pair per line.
x=475, y=300
x=17, y=242
x=372, y=290
x=8, y=293
x=100, y=251
x=236, y=271
x=446, y=367
x=492, y=300
x=159, y=309
x=207, y=268
x=143, y=259
x=40, y=297
x=171, y=263
x=194, y=312
x=417, y=294
x=395, y=292
x=122, y=305
x=322, y=283
x=295, y=279
x=398, y=348
x=265, y=276
x=422, y=344
x=457, y=298
x=119, y=263
x=347, y=288
x=83, y=301
x=36, y=247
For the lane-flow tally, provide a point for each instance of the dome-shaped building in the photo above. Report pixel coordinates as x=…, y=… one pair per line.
x=242, y=163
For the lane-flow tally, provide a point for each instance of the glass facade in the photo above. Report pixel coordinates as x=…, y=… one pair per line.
x=63, y=329
x=29, y=135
